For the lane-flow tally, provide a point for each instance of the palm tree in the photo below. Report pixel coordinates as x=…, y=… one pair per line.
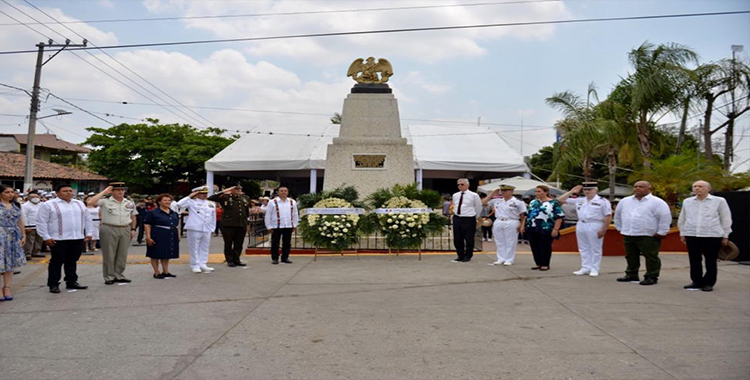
x=577, y=129
x=655, y=85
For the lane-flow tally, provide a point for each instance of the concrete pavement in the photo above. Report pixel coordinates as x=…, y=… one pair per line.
x=379, y=318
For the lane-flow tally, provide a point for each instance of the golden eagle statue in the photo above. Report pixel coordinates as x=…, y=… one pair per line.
x=366, y=71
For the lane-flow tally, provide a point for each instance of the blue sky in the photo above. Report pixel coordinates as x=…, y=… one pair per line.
x=502, y=75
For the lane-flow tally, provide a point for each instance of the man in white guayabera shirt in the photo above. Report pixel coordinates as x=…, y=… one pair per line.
x=705, y=224
x=63, y=223
x=281, y=219
x=643, y=219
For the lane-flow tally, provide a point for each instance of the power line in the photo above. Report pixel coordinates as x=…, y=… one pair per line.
x=405, y=30
x=123, y=65
x=79, y=108
x=248, y=15
x=188, y=118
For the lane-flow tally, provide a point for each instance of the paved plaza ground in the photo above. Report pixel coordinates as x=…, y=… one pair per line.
x=378, y=318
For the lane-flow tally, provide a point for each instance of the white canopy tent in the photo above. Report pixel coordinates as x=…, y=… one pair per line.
x=620, y=191
x=521, y=184
x=439, y=152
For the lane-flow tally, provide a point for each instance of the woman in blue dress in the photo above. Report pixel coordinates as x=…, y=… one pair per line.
x=543, y=225
x=12, y=239
x=162, y=236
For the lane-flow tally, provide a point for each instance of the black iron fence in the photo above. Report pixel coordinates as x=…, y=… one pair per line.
x=442, y=241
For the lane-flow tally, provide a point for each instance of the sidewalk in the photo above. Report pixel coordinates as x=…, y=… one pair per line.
x=379, y=318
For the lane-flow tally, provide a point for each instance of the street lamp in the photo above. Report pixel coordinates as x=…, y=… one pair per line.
x=28, y=180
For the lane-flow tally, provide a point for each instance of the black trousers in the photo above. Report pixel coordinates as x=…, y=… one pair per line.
x=464, y=229
x=234, y=238
x=65, y=253
x=140, y=220
x=541, y=247
x=698, y=247
x=487, y=232
x=285, y=235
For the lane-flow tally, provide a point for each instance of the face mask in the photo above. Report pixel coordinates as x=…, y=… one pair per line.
x=34, y=200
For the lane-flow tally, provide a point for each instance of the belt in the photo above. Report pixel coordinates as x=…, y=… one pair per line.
x=507, y=220
x=456, y=216
x=590, y=221
x=115, y=226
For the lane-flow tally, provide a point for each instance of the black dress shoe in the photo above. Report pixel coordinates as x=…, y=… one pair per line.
x=707, y=288
x=76, y=285
x=54, y=289
x=627, y=279
x=159, y=276
x=287, y=261
x=274, y=262
x=692, y=285
x=123, y=280
x=231, y=265
x=109, y=282
x=240, y=264
x=649, y=281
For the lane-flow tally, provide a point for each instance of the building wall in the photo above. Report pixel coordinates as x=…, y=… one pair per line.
x=8, y=144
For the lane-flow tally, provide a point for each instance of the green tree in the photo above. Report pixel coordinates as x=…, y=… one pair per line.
x=149, y=153
x=336, y=118
x=656, y=86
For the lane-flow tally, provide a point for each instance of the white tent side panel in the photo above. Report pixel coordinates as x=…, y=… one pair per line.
x=435, y=148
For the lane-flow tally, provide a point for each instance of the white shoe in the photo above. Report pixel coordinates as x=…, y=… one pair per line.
x=594, y=273
x=207, y=269
x=498, y=262
x=197, y=270
x=581, y=272
x=508, y=263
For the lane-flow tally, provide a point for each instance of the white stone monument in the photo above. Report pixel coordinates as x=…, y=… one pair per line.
x=370, y=152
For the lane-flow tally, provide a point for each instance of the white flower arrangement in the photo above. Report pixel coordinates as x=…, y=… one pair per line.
x=337, y=231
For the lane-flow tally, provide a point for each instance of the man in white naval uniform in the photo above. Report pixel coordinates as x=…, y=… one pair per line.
x=201, y=222
x=594, y=217
x=281, y=219
x=510, y=218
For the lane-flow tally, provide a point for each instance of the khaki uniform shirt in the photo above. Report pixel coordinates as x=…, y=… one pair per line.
x=116, y=213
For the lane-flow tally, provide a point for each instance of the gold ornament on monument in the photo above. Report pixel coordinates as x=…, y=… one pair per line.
x=366, y=71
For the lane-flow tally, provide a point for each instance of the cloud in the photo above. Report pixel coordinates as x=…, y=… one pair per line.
x=422, y=46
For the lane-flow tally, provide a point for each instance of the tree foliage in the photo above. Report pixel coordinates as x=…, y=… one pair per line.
x=148, y=153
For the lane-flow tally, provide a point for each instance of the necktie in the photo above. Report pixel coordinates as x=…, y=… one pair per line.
x=460, y=202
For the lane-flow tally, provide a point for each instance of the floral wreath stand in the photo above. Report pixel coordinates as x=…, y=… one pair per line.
x=419, y=250
x=326, y=251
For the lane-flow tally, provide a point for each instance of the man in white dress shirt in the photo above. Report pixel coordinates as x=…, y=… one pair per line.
x=30, y=211
x=63, y=223
x=594, y=215
x=281, y=220
x=705, y=224
x=510, y=218
x=466, y=208
x=201, y=222
x=643, y=219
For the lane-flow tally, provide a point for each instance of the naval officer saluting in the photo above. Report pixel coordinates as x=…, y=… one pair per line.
x=510, y=218
x=594, y=217
x=201, y=222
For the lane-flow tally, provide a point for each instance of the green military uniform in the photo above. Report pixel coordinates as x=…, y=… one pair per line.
x=117, y=220
x=233, y=224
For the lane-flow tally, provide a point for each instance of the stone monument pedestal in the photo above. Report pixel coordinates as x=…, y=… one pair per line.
x=369, y=153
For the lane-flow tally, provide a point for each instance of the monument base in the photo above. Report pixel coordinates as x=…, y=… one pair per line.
x=368, y=167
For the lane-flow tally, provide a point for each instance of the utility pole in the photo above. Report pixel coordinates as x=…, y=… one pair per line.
x=729, y=137
x=28, y=180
